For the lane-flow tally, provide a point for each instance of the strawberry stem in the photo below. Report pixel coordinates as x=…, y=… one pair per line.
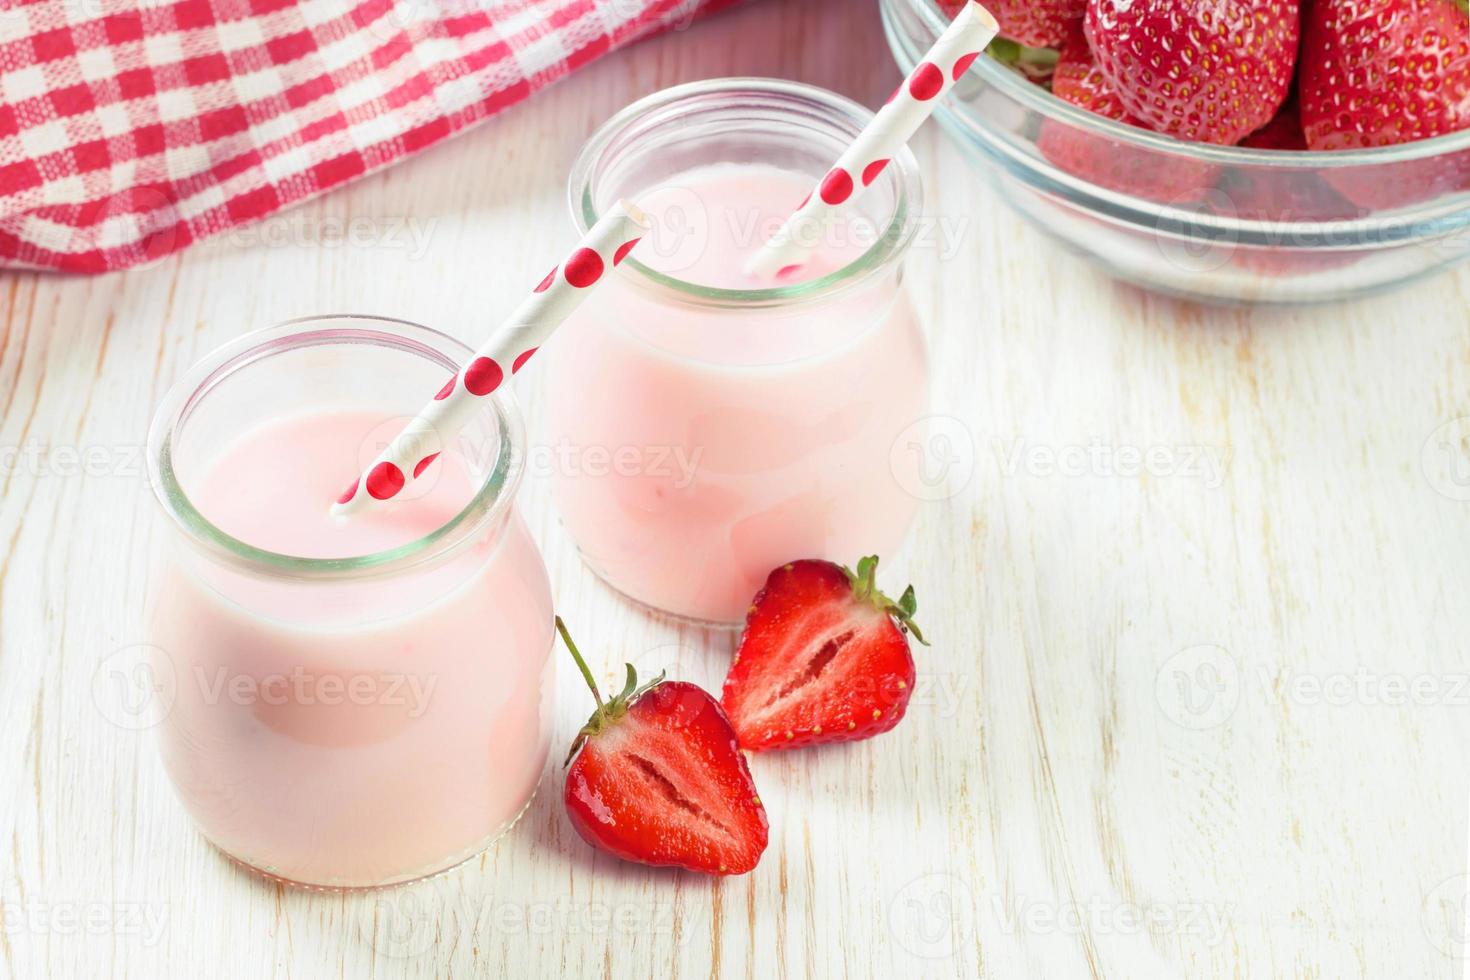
x=607, y=713
x=1036, y=64
x=566, y=638
x=865, y=589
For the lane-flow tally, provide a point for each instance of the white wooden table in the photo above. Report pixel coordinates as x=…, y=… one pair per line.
x=1197, y=701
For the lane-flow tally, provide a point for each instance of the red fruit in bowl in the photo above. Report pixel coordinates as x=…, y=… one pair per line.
x=1382, y=72
x=655, y=776
x=1155, y=175
x=1203, y=72
x=1284, y=194
x=1291, y=200
x=824, y=658
x=1283, y=132
x=1035, y=23
x=1078, y=80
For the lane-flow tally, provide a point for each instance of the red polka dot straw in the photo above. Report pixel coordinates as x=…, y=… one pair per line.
x=414, y=449
x=893, y=126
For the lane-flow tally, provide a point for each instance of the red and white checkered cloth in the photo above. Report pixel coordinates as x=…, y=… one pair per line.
x=131, y=128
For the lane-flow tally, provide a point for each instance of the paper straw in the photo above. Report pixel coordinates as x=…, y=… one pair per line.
x=414, y=449
x=878, y=143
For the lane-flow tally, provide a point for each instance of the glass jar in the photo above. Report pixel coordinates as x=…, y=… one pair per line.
x=704, y=435
x=356, y=721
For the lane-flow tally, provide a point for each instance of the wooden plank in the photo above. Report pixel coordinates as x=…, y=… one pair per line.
x=1118, y=718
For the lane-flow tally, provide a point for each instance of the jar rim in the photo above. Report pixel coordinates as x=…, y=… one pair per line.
x=889, y=248
x=489, y=505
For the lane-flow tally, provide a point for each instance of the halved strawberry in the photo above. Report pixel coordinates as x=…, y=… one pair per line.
x=824, y=658
x=656, y=777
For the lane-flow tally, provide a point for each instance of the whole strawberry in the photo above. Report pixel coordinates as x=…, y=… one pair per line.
x=824, y=658
x=1381, y=72
x=1158, y=176
x=1206, y=71
x=1035, y=23
x=655, y=777
x=1080, y=81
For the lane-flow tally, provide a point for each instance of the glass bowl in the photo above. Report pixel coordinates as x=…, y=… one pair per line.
x=1214, y=223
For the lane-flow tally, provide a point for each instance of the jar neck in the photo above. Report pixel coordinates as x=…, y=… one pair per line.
x=486, y=513
x=797, y=127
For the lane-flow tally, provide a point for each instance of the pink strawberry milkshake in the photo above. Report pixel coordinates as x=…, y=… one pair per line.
x=357, y=701
x=709, y=428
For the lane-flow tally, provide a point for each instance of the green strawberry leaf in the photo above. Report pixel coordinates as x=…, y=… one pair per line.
x=865, y=589
x=607, y=712
x=1036, y=64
